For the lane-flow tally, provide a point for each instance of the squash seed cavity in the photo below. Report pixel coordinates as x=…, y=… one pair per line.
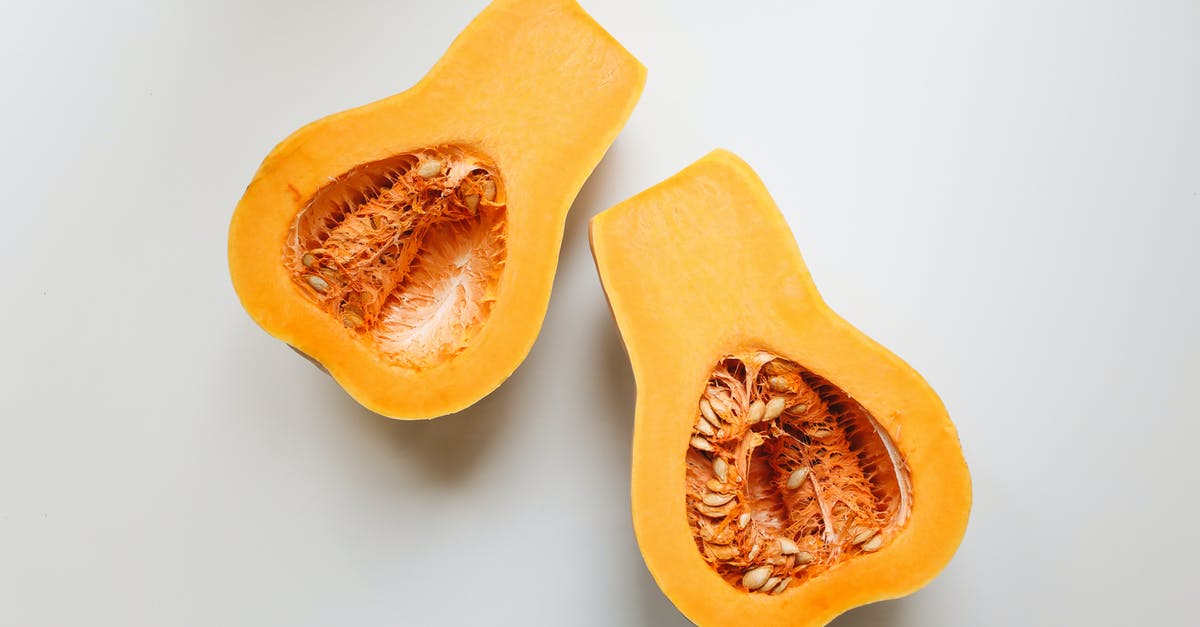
x=787, y=476
x=406, y=253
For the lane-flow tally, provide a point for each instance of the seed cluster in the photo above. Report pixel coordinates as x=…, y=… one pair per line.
x=357, y=247
x=787, y=475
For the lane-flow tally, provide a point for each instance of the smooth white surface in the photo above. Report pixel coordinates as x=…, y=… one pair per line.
x=1007, y=194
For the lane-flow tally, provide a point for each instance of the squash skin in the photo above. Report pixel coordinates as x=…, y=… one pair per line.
x=538, y=87
x=704, y=265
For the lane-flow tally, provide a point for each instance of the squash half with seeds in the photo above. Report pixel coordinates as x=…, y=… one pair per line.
x=409, y=245
x=786, y=468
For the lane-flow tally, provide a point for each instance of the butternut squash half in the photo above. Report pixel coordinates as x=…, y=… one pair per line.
x=409, y=245
x=786, y=468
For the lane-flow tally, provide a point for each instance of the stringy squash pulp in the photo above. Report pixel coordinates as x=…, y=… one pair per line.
x=406, y=252
x=787, y=476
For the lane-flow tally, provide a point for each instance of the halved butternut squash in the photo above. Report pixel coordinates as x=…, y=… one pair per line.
x=786, y=468
x=409, y=245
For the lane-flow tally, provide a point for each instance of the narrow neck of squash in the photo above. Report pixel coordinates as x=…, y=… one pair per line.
x=539, y=77
x=703, y=256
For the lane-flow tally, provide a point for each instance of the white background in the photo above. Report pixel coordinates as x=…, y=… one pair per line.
x=1007, y=194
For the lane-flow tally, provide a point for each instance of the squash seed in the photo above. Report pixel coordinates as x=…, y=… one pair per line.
x=787, y=547
x=703, y=427
x=319, y=284
x=429, y=168
x=774, y=408
x=352, y=320
x=333, y=276
x=721, y=468
x=701, y=444
x=863, y=536
x=722, y=551
x=707, y=411
x=796, y=479
x=804, y=557
x=715, y=486
x=472, y=202
x=716, y=512
x=489, y=190
x=782, y=585
x=743, y=520
x=717, y=500
x=756, y=578
x=777, y=383
x=308, y=260
x=873, y=544
x=757, y=410
x=753, y=552
x=771, y=583
x=798, y=408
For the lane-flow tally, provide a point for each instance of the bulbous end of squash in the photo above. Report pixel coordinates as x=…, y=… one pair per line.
x=409, y=246
x=786, y=468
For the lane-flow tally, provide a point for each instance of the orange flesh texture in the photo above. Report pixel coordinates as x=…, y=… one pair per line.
x=702, y=266
x=539, y=89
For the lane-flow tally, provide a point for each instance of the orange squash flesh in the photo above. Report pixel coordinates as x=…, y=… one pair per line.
x=702, y=267
x=535, y=87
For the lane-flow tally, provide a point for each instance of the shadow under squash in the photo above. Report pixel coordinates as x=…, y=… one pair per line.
x=879, y=614
x=444, y=450
x=593, y=198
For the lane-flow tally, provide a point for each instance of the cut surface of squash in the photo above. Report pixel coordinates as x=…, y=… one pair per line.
x=409, y=245
x=405, y=252
x=787, y=476
x=786, y=468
